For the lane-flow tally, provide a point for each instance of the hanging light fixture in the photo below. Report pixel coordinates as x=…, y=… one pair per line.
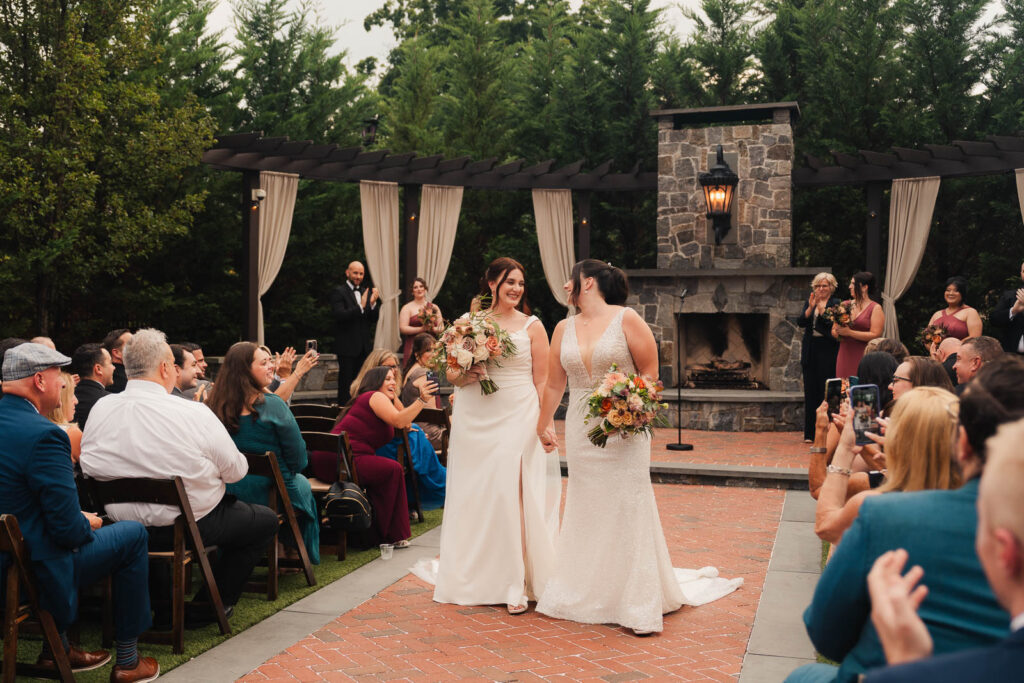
x=719, y=185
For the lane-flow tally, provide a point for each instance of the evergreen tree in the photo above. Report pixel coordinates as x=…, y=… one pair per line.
x=722, y=46
x=411, y=105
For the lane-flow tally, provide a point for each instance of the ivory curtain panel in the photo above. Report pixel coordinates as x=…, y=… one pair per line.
x=275, y=226
x=379, y=203
x=553, y=212
x=439, y=217
x=910, y=220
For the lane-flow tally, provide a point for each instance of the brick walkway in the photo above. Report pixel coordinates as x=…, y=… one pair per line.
x=754, y=449
x=401, y=634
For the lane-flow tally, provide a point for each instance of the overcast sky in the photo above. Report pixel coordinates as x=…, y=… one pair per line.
x=347, y=16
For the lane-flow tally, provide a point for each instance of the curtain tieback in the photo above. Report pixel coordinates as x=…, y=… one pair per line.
x=886, y=299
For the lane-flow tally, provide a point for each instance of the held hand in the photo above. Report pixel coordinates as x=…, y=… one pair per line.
x=284, y=362
x=894, y=603
x=94, y=521
x=548, y=438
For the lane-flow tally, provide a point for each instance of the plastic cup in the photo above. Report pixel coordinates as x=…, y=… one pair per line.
x=385, y=550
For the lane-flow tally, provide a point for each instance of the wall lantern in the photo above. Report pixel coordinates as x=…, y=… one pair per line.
x=369, y=133
x=719, y=186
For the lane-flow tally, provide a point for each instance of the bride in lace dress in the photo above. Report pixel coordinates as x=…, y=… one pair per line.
x=501, y=513
x=611, y=560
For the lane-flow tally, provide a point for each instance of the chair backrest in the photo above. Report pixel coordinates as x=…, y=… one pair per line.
x=333, y=443
x=435, y=416
x=158, y=492
x=19, y=568
x=315, y=410
x=265, y=465
x=314, y=423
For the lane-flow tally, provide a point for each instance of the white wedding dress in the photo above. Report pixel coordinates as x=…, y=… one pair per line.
x=494, y=447
x=612, y=563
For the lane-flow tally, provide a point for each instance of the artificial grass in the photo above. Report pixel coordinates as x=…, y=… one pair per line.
x=251, y=609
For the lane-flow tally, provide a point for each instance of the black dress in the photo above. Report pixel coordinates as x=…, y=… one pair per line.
x=818, y=360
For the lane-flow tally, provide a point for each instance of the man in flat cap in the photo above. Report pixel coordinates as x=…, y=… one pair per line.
x=67, y=547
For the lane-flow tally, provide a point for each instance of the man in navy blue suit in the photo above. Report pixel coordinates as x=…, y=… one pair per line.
x=68, y=548
x=1000, y=546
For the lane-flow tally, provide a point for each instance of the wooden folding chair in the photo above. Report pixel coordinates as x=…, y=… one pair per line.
x=411, y=481
x=21, y=580
x=170, y=492
x=316, y=410
x=339, y=444
x=438, y=417
x=313, y=423
x=265, y=465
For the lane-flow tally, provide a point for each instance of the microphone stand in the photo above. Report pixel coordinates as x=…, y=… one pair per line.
x=679, y=445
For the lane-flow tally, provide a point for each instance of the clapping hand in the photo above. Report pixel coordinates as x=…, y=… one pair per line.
x=307, y=362
x=895, y=599
x=1018, y=305
x=374, y=295
x=283, y=362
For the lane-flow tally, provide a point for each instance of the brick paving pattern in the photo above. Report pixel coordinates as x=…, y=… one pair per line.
x=749, y=449
x=401, y=634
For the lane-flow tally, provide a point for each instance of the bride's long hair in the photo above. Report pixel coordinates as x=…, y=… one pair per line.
x=498, y=272
x=611, y=281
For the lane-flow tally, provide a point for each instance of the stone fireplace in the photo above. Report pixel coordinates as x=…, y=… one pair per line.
x=737, y=322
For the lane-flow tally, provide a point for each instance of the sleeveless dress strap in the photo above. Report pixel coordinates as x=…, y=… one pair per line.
x=529, y=321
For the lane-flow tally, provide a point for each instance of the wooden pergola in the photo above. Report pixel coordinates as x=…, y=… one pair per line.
x=250, y=153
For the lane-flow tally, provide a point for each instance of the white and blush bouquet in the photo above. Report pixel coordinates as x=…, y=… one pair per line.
x=624, y=404
x=471, y=340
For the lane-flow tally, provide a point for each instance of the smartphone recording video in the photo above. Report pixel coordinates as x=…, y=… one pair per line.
x=311, y=345
x=864, y=401
x=833, y=395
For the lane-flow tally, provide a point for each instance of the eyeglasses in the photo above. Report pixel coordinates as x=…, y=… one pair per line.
x=897, y=378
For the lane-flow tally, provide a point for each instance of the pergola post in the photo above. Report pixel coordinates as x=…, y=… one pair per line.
x=250, y=255
x=411, y=219
x=583, y=226
x=873, y=229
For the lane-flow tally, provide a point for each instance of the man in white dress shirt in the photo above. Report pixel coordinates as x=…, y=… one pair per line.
x=146, y=432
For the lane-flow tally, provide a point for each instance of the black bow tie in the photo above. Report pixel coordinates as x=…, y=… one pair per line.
x=356, y=288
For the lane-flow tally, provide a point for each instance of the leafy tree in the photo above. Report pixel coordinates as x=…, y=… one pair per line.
x=411, y=106
x=722, y=46
x=91, y=160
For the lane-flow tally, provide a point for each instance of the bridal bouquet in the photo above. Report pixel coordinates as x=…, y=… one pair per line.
x=624, y=404
x=474, y=338
x=839, y=314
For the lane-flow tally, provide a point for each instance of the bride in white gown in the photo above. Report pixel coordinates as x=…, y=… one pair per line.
x=611, y=562
x=501, y=511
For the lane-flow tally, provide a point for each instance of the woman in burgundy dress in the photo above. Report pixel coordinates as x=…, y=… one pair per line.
x=957, y=318
x=370, y=419
x=410, y=318
x=866, y=323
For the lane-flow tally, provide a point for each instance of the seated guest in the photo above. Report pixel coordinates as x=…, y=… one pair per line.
x=68, y=548
x=92, y=364
x=45, y=341
x=937, y=530
x=114, y=344
x=202, y=383
x=946, y=353
x=973, y=353
x=8, y=343
x=891, y=346
x=918, y=371
x=259, y=421
x=1000, y=548
x=185, y=370
x=370, y=418
x=918, y=457
x=64, y=416
x=422, y=353
x=287, y=378
x=146, y=432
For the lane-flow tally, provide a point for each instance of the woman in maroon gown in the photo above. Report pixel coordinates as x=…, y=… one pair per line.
x=410, y=318
x=866, y=323
x=370, y=419
x=957, y=318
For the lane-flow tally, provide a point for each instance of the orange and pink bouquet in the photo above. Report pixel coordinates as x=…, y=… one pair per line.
x=624, y=404
x=429, y=317
x=473, y=339
x=840, y=314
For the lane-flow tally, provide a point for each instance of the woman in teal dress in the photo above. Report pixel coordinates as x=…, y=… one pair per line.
x=259, y=421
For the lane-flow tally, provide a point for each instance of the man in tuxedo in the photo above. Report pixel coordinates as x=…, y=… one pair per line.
x=114, y=344
x=1000, y=547
x=1008, y=315
x=355, y=309
x=68, y=548
x=92, y=363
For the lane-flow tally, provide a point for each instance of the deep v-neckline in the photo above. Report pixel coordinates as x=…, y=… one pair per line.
x=579, y=350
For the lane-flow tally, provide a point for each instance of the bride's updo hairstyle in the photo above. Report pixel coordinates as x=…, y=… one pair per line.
x=611, y=281
x=498, y=272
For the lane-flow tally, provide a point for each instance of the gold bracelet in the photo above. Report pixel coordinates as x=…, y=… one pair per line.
x=845, y=471
x=818, y=449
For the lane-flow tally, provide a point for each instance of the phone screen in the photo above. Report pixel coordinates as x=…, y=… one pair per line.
x=432, y=377
x=864, y=402
x=854, y=381
x=311, y=345
x=834, y=395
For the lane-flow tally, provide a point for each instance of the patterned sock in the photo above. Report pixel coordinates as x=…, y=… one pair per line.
x=48, y=653
x=127, y=653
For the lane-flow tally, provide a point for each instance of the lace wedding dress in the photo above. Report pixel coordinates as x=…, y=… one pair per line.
x=493, y=448
x=611, y=561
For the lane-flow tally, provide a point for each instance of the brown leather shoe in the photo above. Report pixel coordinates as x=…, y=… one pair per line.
x=80, y=660
x=146, y=670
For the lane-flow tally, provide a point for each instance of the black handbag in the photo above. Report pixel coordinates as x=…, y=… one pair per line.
x=347, y=508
